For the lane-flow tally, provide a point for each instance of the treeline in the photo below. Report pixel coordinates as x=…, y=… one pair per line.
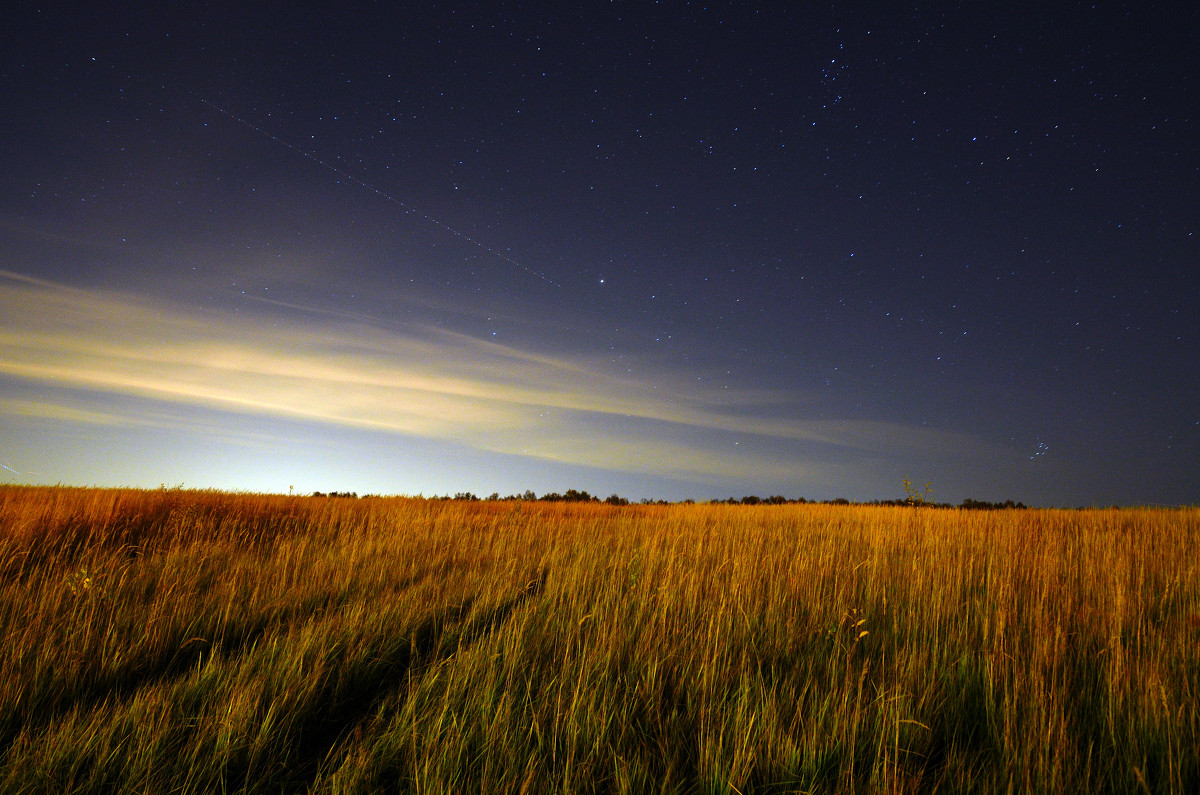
x=979, y=505
x=966, y=505
x=573, y=495
x=570, y=495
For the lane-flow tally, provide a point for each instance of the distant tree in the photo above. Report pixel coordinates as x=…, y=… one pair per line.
x=914, y=496
x=616, y=499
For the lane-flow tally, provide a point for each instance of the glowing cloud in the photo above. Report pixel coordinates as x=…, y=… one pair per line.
x=430, y=382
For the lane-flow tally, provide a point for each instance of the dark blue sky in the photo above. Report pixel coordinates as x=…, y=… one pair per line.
x=669, y=250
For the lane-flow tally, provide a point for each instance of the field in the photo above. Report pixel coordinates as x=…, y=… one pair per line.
x=186, y=641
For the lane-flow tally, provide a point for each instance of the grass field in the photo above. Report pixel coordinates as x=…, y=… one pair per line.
x=179, y=641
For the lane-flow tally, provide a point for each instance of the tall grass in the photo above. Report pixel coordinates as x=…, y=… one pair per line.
x=208, y=642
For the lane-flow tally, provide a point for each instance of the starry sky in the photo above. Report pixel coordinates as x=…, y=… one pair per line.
x=665, y=250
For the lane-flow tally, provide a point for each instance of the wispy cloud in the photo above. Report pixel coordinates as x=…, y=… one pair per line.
x=61, y=412
x=424, y=381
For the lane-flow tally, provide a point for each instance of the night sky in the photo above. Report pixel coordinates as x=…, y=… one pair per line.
x=664, y=250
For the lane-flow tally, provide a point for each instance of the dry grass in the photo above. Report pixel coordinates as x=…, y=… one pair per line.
x=204, y=642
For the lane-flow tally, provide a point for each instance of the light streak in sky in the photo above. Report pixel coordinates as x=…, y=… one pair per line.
x=408, y=208
x=10, y=469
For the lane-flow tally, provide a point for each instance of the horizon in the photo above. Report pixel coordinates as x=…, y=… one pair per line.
x=618, y=500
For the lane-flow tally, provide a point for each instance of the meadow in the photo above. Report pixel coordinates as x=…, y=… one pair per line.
x=192, y=641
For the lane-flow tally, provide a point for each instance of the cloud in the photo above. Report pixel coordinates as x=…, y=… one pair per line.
x=58, y=412
x=425, y=381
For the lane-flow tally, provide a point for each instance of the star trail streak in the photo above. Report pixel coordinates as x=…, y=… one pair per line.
x=405, y=206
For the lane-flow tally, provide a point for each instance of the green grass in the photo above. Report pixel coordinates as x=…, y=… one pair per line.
x=177, y=641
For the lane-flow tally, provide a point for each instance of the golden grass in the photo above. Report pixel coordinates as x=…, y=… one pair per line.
x=203, y=642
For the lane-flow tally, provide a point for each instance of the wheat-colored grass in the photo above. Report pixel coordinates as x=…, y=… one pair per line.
x=178, y=641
